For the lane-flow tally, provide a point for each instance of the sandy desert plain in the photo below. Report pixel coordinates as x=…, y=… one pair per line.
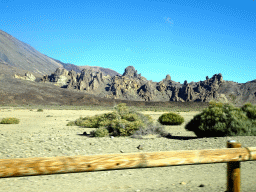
x=45, y=134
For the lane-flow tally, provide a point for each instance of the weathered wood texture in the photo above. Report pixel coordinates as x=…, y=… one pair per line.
x=233, y=171
x=52, y=165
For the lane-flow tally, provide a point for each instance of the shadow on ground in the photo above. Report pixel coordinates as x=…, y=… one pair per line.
x=169, y=136
x=181, y=137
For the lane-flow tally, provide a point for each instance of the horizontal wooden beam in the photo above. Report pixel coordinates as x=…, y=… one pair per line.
x=71, y=164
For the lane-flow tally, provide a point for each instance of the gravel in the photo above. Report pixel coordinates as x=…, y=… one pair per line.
x=41, y=136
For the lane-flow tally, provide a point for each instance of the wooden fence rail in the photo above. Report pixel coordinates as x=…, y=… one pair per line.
x=72, y=164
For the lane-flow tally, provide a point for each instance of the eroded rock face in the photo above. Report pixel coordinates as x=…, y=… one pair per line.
x=59, y=77
x=133, y=86
x=147, y=92
x=201, y=91
x=86, y=80
x=28, y=76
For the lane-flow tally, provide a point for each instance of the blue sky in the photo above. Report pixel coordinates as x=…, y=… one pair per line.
x=188, y=39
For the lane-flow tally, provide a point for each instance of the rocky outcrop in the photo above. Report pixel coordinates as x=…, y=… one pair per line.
x=59, y=77
x=28, y=76
x=87, y=80
x=133, y=86
x=201, y=91
x=147, y=92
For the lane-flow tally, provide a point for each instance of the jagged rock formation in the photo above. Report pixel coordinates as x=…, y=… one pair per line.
x=133, y=86
x=88, y=80
x=28, y=76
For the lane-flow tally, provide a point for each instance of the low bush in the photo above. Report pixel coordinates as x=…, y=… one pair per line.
x=170, y=119
x=71, y=123
x=101, y=132
x=40, y=110
x=219, y=120
x=97, y=120
x=120, y=122
x=10, y=120
x=121, y=109
x=91, y=122
x=123, y=127
x=250, y=110
x=130, y=117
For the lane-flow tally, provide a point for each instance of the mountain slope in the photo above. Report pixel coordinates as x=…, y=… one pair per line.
x=22, y=57
x=17, y=54
x=78, y=69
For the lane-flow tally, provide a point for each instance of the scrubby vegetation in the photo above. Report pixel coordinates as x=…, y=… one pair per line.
x=250, y=110
x=152, y=129
x=219, y=120
x=101, y=132
x=10, y=120
x=120, y=122
x=40, y=110
x=170, y=119
x=71, y=123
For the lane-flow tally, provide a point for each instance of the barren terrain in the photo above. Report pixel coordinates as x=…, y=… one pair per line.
x=45, y=134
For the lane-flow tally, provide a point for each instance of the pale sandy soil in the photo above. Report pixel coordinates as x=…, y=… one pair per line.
x=40, y=136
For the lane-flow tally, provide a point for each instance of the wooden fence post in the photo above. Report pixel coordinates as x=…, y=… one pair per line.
x=233, y=170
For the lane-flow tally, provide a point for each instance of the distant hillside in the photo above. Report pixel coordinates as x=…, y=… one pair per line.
x=21, y=57
x=78, y=69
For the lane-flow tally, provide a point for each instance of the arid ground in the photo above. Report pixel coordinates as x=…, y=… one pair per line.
x=45, y=134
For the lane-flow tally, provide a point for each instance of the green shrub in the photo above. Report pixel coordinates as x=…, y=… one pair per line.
x=79, y=121
x=121, y=122
x=128, y=124
x=130, y=117
x=170, y=119
x=92, y=122
x=104, y=123
x=121, y=109
x=101, y=132
x=97, y=121
x=10, y=120
x=250, y=110
x=215, y=104
x=123, y=127
x=40, y=110
x=111, y=116
x=219, y=120
x=71, y=123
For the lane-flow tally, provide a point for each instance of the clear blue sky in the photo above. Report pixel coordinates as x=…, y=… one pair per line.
x=188, y=39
